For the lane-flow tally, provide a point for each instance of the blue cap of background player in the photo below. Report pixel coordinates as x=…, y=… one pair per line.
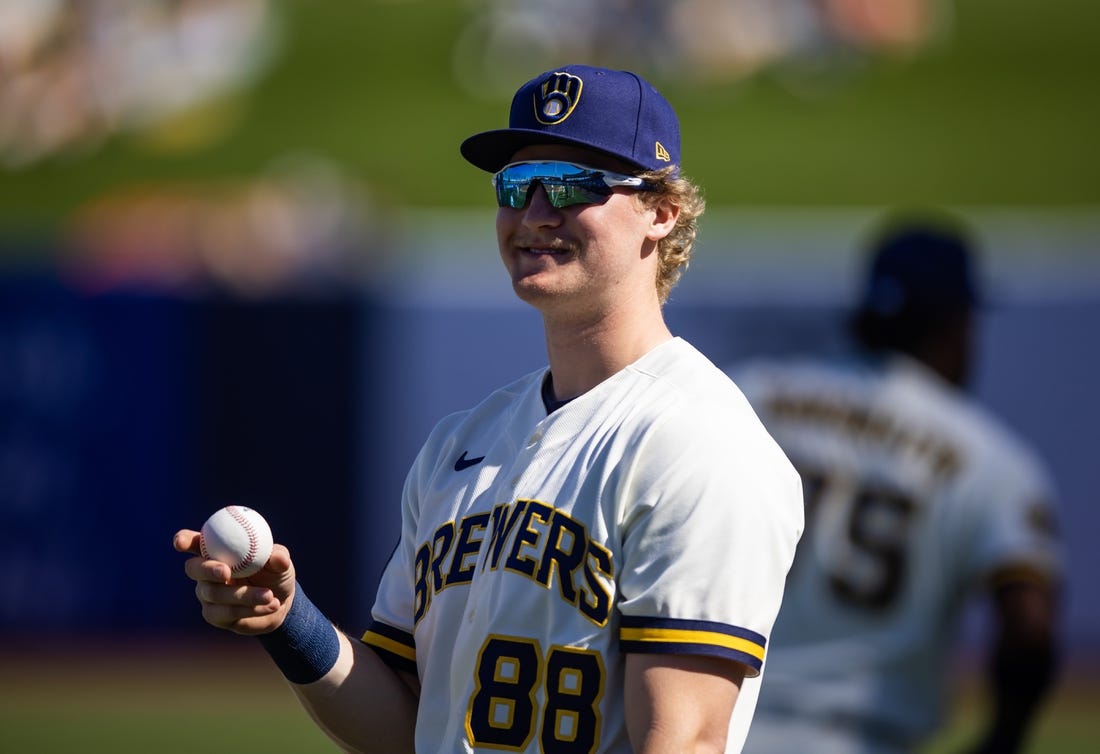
x=919, y=267
x=615, y=112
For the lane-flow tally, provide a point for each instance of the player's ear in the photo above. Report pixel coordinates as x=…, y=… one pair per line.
x=665, y=213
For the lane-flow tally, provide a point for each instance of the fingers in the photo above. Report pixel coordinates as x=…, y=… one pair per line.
x=239, y=607
x=232, y=595
x=186, y=540
x=249, y=606
x=278, y=569
x=279, y=562
x=200, y=569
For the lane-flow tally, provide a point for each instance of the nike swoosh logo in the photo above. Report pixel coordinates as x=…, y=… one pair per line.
x=464, y=463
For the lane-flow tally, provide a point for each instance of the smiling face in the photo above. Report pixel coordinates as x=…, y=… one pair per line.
x=585, y=260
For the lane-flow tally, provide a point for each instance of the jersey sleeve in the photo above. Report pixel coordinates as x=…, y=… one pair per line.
x=1012, y=511
x=712, y=516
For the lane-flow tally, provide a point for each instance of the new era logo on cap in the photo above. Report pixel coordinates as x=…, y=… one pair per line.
x=616, y=112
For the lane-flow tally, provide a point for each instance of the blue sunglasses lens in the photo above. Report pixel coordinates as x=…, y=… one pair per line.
x=565, y=184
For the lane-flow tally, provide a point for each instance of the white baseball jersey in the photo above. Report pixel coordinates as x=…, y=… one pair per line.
x=914, y=496
x=651, y=514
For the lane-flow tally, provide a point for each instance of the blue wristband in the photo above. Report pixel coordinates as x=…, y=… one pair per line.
x=305, y=646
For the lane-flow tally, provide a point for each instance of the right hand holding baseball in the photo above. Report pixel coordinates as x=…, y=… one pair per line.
x=249, y=606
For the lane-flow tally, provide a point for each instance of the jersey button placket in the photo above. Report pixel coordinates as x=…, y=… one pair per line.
x=532, y=443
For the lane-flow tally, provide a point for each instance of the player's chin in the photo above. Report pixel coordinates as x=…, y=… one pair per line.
x=538, y=298
x=533, y=286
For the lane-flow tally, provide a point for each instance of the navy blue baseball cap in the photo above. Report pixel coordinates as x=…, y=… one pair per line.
x=918, y=267
x=615, y=112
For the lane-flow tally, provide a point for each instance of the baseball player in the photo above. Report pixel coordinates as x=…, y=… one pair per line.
x=592, y=557
x=915, y=498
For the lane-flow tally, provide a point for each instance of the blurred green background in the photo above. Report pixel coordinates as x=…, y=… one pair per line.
x=1001, y=108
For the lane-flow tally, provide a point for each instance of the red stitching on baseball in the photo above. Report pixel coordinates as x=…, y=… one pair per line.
x=250, y=530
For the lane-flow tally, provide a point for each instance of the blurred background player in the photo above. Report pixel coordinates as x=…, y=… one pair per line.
x=553, y=588
x=915, y=498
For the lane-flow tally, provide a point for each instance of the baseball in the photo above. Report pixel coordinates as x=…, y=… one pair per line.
x=239, y=537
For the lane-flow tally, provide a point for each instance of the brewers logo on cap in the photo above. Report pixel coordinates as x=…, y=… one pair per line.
x=555, y=100
x=622, y=115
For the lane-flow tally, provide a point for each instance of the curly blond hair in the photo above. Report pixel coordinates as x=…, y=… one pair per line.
x=674, y=250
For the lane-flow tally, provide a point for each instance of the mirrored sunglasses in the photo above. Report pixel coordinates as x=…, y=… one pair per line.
x=565, y=183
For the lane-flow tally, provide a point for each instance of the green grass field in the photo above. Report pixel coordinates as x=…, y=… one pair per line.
x=150, y=698
x=226, y=697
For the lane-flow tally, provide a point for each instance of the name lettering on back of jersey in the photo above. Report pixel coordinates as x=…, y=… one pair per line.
x=882, y=430
x=527, y=537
